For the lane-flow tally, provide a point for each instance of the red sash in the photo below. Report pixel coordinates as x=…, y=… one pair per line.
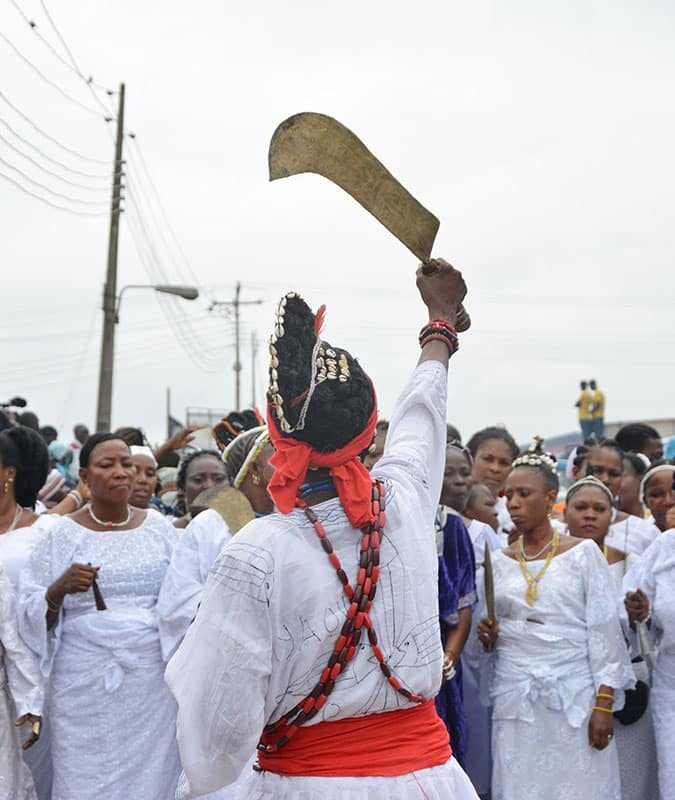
x=386, y=744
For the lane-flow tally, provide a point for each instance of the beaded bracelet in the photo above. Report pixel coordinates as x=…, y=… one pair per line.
x=77, y=497
x=441, y=330
x=600, y=708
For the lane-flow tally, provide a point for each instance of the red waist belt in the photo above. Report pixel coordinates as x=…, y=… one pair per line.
x=386, y=744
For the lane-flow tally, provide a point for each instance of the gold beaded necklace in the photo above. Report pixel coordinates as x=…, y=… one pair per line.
x=533, y=580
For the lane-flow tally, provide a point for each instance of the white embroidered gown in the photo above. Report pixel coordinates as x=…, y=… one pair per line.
x=112, y=717
x=20, y=693
x=655, y=575
x=273, y=607
x=548, y=663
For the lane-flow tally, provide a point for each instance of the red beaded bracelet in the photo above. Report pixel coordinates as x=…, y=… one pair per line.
x=441, y=330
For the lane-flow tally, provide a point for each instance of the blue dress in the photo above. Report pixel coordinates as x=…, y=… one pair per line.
x=456, y=590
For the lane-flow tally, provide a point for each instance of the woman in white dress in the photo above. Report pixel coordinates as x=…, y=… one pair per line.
x=87, y=607
x=627, y=532
x=588, y=514
x=560, y=664
x=24, y=466
x=493, y=450
x=146, y=479
x=245, y=460
x=21, y=700
x=276, y=653
x=650, y=597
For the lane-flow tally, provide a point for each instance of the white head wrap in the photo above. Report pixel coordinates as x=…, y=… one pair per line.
x=590, y=480
x=649, y=475
x=142, y=450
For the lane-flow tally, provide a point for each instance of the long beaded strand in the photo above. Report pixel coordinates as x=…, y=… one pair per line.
x=361, y=599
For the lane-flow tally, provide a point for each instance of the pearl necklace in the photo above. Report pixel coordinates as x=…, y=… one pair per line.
x=536, y=555
x=17, y=516
x=104, y=524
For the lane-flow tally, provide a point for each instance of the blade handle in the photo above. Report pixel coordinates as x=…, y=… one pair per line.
x=463, y=320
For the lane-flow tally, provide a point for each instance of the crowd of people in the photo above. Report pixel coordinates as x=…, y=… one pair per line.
x=331, y=605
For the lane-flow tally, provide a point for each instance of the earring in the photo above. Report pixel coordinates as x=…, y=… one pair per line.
x=255, y=478
x=8, y=482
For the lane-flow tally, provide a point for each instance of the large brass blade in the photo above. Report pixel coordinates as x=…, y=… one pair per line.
x=310, y=142
x=489, y=586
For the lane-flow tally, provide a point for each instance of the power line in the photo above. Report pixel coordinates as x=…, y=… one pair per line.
x=89, y=81
x=47, y=157
x=51, y=83
x=36, y=30
x=51, y=191
x=48, y=136
x=137, y=146
x=50, y=203
x=50, y=172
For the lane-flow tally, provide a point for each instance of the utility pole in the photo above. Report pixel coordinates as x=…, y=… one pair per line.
x=225, y=305
x=105, y=376
x=254, y=357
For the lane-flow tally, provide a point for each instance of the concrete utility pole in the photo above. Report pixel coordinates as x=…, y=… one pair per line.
x=235, y=304
x=105, y=376
x=254, y=356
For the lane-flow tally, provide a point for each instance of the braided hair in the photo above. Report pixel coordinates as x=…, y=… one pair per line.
x=25, y=450
x=544, y=463
x=187, y=460
x=238, y=450
x=318, y=393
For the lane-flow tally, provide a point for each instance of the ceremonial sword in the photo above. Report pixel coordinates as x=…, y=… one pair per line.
x=310, y=142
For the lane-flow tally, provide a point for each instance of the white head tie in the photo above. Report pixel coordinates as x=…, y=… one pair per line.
x=142, y=450
x=650, y=474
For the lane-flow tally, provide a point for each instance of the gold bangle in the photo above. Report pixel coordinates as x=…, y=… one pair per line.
x=602, y=696
x=600, y=708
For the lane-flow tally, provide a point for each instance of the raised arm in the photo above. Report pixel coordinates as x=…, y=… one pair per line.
x=415, y=446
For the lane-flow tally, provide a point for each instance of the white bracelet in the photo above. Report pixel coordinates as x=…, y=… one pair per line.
x=77, y=497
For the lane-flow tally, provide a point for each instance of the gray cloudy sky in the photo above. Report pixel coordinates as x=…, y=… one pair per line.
x=540, y=134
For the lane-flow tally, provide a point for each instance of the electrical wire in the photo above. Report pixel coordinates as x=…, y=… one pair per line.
x=44, y=188
x=88, y=81
x=35, y=29
x=51, y=172
x=50, y=203
x=52, y=139
x=79, y=173
x=52, y=83
x=137, y=146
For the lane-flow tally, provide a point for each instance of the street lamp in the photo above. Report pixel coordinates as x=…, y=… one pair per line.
x=186, y=292
x=110, y=319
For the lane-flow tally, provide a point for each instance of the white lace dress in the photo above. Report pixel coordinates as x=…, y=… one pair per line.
x=112, y=717
x=632, y=535
x=20, y=693
x=548, y=663
x=635, y=743
x=197, y=549
x=15, y=549
x=655, y=575
x=272, y=609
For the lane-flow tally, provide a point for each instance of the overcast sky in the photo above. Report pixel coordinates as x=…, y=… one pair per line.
x=540, y=134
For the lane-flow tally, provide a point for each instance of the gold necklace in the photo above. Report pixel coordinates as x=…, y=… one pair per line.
x=533, y=580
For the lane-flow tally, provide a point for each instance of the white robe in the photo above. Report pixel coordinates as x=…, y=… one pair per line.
x=655, y=575
x=635, y=743
x=194, y=555
x=548, y=663
x=632, y=535
x=15, y=549
x=112, y=718
x=273, y=607
x=20, y=693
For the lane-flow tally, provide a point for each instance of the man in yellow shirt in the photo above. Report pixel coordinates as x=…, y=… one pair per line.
x=598, y=410
x=585, y=404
